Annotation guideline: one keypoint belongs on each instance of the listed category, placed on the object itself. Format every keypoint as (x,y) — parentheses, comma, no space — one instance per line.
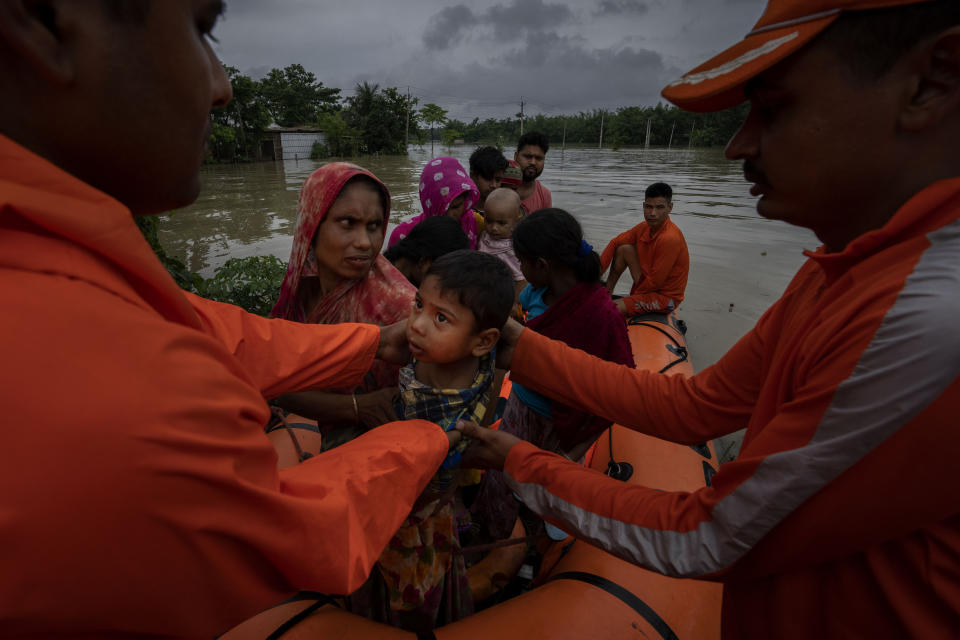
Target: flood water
(739,262)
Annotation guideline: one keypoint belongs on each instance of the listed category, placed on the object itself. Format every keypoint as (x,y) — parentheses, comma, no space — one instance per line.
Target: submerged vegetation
(252,283)
(377,120)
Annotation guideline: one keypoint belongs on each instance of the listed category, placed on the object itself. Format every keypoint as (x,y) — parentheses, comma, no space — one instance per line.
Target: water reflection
(737,258)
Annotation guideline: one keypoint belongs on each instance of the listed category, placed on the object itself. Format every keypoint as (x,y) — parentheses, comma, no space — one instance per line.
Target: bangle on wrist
(356,407)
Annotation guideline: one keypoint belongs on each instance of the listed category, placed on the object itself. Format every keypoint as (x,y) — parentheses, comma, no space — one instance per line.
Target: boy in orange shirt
(656,254)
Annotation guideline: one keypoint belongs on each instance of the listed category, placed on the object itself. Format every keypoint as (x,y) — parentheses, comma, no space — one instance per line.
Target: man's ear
(670,207)
(935,88)
(485,341)
(36,31)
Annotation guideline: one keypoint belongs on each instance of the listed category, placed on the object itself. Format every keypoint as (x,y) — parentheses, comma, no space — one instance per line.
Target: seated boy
(502,215)
(656,254)
(463,301)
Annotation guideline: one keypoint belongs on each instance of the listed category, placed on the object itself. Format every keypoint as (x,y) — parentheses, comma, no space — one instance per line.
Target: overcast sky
(477,59)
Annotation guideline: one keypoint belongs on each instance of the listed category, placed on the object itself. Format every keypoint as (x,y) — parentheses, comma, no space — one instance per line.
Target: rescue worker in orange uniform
(840,518)
(140,494)
(655,252)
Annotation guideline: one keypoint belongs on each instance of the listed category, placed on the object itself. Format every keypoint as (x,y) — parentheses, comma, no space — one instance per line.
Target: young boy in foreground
(419,581)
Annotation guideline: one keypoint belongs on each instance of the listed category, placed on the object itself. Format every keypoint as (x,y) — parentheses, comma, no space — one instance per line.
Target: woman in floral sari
(336,274)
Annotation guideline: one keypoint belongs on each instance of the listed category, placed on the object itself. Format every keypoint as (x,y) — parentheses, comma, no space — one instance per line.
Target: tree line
(378,120)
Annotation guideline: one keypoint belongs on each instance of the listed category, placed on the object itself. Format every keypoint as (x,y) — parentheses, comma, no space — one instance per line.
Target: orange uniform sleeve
(857,428)
(144,496)
(281,356)
(716,402)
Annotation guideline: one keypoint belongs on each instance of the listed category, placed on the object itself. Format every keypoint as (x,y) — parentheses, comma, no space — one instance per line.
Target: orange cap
(784,27)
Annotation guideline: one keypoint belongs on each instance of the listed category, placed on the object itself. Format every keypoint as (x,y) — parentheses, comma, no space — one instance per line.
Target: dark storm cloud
(447,26)
(554,74)
(621,7)
(477,57)
(504,22)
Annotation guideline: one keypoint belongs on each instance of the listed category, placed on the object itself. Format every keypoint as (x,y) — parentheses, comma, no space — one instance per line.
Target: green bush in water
(319,151)
(186,279)
(252,283)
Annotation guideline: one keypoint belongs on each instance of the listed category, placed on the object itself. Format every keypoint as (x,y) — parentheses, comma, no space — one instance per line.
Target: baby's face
(439,328)
(500,219)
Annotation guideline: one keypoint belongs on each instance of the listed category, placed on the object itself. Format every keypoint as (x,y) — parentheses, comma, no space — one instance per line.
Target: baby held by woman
(501,215)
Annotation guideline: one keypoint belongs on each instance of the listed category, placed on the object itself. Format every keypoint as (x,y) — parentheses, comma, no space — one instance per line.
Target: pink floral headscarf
(443,180)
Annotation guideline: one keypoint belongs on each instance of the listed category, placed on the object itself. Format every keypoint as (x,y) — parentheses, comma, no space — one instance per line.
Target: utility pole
(690,141)
(521,115)
(563,145)
(602,113)
(669,144)
(646,144)
(407,136)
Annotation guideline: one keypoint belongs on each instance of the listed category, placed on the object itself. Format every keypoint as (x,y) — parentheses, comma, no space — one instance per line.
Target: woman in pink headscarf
(445,189)
(336,274)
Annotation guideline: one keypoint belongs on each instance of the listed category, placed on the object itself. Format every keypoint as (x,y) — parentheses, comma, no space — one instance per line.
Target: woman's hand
(508,342)
(489,448)
(377,408)
(393,346)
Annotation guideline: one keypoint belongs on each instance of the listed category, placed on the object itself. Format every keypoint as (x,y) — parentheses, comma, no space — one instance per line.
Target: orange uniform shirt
(140,495)
(663,258)
(840,518)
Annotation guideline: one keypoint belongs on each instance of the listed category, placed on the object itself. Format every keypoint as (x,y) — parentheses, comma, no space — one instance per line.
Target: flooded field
(740,262)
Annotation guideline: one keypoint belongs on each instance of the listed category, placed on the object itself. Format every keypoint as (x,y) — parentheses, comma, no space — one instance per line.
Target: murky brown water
(740,262)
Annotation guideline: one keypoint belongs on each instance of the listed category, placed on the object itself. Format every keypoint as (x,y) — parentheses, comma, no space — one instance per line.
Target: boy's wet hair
(432,238)
(556,236)
(486,161)
(533,138)
(659,190)
(482,282)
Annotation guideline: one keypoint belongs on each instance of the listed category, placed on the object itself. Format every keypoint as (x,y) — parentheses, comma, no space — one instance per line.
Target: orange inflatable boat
(582,591)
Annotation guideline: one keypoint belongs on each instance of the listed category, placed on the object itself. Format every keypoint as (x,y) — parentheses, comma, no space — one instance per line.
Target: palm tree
(433,115)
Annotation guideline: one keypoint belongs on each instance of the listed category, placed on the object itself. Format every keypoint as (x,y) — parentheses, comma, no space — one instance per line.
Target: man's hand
(508,342)
(621,306)
(393,346)
(376,408)
(489,448)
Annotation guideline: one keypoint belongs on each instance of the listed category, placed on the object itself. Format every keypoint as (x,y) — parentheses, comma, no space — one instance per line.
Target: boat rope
(278,414)
(678,349)
(630,599)
(322,599)
(617,470)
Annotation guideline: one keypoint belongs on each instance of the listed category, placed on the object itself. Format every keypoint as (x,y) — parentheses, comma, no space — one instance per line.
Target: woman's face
(350,236)
(455,210)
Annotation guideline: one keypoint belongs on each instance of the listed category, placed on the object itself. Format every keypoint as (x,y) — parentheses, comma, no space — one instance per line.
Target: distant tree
(451,135)
(238,126)
(341,137)
(294,97)
(433,115)
(627,126)
(381,117)
(453,130)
